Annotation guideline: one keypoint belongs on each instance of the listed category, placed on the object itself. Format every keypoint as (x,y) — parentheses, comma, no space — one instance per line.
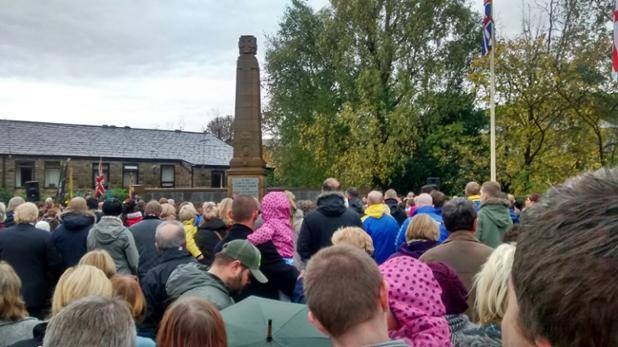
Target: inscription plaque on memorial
(246,186)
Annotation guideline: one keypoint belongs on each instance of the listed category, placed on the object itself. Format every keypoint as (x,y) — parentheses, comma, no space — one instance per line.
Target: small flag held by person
(488,28)
(99,189)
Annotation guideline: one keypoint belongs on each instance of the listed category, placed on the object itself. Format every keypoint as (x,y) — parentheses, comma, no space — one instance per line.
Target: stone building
(36,151)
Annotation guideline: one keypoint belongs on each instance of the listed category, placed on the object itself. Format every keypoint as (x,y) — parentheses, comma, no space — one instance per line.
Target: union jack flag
(488,28)
(99,189)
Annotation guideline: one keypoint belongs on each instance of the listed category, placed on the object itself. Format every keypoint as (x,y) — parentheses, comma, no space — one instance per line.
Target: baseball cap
(248,255)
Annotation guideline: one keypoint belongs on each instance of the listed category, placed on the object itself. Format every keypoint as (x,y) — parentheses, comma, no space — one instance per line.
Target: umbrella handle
(269,337)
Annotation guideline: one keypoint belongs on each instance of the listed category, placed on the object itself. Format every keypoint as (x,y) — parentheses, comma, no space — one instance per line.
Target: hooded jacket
(383,230)
(493,221)
(277,226)
(111,235)
(71,236)
(319,225)
(195,280)
(414,299)
(397,213)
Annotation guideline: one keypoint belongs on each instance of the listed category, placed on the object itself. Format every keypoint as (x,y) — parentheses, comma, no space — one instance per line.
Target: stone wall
(149,173)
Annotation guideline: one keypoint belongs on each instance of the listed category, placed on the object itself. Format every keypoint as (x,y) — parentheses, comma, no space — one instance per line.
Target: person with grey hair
(10,210)
(170,242)
(423,204)
(92,321)
(31,253)
(144,235)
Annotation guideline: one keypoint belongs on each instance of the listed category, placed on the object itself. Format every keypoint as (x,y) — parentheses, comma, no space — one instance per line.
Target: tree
(221,128)
(350,84)
(553,96)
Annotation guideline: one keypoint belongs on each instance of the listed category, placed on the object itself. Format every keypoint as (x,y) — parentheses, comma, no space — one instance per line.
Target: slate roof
(74,140)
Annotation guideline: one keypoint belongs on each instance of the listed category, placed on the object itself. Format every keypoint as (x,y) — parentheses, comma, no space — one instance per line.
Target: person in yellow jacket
(187,218)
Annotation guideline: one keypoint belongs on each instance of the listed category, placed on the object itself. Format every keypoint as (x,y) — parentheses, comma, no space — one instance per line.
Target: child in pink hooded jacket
(277,226)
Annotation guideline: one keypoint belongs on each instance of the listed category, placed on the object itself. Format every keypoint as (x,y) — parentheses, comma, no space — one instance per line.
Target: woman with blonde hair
(168,212)
(225,211)
(353,236)
(491,285)
(75,283)
(100,259)
(14,202)
(15,325)
(192,322)
(186,216)
(422,234)
(79,282)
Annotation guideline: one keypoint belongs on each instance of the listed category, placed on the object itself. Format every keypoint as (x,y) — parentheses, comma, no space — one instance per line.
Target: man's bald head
(423,200)
(472,188)
(374,198)
(331,185)
(170,235)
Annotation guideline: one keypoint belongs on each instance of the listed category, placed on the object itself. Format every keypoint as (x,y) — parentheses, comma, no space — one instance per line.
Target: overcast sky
(142,63)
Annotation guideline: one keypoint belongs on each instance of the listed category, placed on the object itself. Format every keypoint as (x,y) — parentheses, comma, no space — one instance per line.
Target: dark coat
(153,285)
(281,276)
(9,221)
(464,253)
(31,253)
(397,213)
(319,225)
(208,235)
(71,235)
(144,236)
(236,232)
(357,206)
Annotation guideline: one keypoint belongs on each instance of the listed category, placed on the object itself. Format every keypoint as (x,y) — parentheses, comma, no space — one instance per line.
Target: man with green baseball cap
(230,272)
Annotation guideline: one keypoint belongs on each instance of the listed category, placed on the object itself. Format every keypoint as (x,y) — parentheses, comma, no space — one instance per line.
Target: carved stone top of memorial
(247,140)
(247,44)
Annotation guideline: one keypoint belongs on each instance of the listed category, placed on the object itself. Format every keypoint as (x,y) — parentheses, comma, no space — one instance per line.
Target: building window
(95,173)
(217,179)
(52,174)
(24,172)
(167,176)
(130,174)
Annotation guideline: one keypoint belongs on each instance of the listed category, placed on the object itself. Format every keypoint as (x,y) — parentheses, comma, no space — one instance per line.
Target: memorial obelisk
(247,167)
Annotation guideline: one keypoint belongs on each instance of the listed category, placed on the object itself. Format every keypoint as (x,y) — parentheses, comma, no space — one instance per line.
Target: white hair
(423,200)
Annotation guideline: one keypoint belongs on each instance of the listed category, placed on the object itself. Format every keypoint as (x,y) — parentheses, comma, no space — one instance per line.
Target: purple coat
(416,248)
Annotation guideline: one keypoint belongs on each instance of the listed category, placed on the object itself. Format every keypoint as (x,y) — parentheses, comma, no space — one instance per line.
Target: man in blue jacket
(424,205)
(381,226)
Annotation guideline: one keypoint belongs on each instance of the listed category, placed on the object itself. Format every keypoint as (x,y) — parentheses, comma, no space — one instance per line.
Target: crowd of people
(373,269)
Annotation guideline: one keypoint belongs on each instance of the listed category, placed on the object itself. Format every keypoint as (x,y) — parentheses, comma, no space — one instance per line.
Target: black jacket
(153,286)
(208,236)
(396,211)
(31,253)
(357,206)
(319,225)
(281,276)
(144,236)
(70,237)
(236,232)
(9,221)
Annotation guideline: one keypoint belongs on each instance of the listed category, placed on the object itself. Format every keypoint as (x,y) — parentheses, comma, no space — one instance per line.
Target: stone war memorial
(247,168)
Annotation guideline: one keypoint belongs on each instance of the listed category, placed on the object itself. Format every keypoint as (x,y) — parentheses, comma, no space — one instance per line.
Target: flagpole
(492,106)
